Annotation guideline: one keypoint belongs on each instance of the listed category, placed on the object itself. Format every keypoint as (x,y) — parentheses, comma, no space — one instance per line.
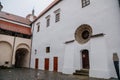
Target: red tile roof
(47,9)
(14,18)
(15,28)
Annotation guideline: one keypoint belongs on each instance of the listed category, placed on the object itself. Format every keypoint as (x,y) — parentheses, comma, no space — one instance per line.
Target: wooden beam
(97,35)
(69,41)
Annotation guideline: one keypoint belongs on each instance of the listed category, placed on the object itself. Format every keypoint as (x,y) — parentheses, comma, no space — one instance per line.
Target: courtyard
(32,74)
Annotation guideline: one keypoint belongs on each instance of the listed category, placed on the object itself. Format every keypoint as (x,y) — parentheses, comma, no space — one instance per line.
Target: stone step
(84,72)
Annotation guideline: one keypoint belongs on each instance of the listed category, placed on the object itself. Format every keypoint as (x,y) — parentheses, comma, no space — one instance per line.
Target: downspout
(13,50)
(32,25)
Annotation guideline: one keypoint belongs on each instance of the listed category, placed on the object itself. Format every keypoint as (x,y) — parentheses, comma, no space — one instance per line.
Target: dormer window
(48,21)
(85,3)
(57,15)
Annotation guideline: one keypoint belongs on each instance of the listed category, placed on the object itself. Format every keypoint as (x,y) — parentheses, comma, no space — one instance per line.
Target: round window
(83,34)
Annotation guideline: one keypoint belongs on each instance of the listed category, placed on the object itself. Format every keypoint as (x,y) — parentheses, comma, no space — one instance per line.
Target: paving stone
(32,74)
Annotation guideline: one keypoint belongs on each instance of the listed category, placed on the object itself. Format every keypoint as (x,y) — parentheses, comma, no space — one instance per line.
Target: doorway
(36,63)
(46,65)
(55,67)
(20,58)
(85,59)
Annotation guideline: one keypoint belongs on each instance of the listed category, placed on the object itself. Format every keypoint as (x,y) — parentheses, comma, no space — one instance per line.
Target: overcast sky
(24,7)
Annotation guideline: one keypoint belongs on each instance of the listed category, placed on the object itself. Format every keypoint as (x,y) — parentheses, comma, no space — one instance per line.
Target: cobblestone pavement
(31,74)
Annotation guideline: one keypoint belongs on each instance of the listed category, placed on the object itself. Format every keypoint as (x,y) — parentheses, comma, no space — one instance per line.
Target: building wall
(8,49)
(103,17)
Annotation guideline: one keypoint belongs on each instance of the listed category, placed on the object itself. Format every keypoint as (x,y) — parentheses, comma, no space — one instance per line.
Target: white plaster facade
(102,15)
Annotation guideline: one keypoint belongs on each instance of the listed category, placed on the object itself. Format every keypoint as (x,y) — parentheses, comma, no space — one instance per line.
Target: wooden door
(55,67)
(46,65)
(36,63)
(85,59)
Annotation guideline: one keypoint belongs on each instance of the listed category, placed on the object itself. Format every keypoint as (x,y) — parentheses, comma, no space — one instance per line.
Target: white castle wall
(103,16)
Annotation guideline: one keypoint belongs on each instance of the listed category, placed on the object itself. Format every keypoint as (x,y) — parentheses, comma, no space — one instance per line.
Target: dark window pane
(85,3)
(47,49)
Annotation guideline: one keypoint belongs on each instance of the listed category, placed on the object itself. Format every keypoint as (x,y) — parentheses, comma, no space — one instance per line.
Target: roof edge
(16,21)
(47,9)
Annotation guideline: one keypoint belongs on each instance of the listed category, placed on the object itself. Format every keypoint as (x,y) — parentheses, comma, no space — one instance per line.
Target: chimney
(1,6)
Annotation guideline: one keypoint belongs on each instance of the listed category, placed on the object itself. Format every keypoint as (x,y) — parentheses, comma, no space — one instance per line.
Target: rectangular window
(47,49)
(57,15)
(85,3)
(48,21)
(38,26)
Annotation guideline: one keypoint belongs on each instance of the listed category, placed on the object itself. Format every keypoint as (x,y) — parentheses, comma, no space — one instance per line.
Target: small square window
(85,3)
(47,49)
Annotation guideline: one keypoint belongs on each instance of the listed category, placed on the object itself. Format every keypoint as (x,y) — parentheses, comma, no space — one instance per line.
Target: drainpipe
(13,50)
(31,44)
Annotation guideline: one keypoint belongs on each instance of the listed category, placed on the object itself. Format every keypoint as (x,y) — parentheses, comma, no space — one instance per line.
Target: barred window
(57,15)
(85,3)
(48,21)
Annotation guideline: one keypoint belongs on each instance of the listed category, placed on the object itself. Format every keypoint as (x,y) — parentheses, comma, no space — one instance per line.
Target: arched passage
(21,57)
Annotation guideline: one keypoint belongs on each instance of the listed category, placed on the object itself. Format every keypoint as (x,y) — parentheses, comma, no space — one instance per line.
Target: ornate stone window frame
(79,36)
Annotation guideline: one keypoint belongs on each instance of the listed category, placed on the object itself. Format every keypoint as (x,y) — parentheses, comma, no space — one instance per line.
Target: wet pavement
(31,74)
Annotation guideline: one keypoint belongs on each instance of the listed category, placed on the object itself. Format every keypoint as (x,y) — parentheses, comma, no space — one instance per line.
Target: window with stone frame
(48,49)
(48,21)
(57,15)
(85,3)
(38,26)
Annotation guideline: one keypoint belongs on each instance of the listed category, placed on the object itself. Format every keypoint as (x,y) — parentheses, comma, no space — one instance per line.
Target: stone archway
(21,58)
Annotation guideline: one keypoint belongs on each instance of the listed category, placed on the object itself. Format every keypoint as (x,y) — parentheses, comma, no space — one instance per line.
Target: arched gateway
(21,58)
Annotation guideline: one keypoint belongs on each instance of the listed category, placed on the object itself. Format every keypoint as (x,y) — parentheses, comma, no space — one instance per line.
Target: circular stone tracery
(83,33)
